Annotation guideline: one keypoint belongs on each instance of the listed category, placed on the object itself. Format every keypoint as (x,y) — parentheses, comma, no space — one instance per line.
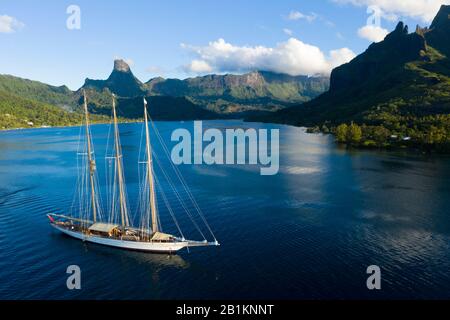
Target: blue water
(308,232)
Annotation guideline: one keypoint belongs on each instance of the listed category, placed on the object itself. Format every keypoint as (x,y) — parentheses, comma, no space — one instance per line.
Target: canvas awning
(103,227)
(159,236)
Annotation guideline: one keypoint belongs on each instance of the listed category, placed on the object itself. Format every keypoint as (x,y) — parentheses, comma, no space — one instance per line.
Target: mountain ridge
(203,97)
(398,87)
(121,81)
(219,93)
(36,90)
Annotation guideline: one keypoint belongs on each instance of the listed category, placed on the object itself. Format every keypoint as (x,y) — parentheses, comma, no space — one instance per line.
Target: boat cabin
(104,229)
(162,237)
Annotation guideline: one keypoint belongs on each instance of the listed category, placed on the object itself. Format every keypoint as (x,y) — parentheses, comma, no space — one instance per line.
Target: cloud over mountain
(372,33)
(292,57)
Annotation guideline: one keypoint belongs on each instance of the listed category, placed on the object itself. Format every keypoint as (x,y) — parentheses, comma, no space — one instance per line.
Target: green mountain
(223,94)
(229,93)
(34,90)
(213,96)
(160,107)
(164,108)
(19,112)
(122,82)
(399,87)
(27,103)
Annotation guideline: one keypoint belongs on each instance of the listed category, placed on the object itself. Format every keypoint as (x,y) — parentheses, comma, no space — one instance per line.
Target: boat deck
(128,234)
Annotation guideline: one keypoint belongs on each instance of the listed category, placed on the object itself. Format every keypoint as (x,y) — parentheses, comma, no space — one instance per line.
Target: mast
(123,207)
(151,183)
(91,161)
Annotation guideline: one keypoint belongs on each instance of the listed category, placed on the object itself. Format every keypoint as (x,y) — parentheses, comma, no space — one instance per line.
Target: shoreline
(347,146)
(60,127)
(120,122)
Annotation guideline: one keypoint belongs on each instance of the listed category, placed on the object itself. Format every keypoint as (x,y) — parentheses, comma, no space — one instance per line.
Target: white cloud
(289,32)
(297,15)
(198,66)
(424,10)
(128,61)
(292,57)
(328,23)
(9,24)
(372,33)
(340,56)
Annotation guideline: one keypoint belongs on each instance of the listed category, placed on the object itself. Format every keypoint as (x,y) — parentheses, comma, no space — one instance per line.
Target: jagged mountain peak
(252,88)
(121,81)
(401,28)
(398,48)
(442,18)
(438,35)
(405,75)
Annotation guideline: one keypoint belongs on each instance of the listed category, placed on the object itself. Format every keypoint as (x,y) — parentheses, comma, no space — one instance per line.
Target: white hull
(157,247)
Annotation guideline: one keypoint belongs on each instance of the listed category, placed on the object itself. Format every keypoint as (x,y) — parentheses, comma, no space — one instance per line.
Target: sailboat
(116,229)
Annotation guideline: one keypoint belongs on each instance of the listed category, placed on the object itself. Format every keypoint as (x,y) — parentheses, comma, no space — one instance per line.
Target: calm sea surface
(309,232)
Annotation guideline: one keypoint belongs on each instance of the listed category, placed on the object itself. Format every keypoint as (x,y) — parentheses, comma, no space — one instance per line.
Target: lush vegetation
(419,115)
(35,90)
(226,94)
(428,133)
(27,103)
(395,94)
(18,112)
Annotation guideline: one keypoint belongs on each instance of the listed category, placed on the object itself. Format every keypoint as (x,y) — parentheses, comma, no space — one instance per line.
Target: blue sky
(181,38)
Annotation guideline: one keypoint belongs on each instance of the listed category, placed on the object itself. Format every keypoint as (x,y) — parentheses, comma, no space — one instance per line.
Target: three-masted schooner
(116,230)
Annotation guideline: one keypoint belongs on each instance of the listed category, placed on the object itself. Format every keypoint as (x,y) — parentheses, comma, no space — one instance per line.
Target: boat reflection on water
(154,260)
(159,260)
(149,267)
